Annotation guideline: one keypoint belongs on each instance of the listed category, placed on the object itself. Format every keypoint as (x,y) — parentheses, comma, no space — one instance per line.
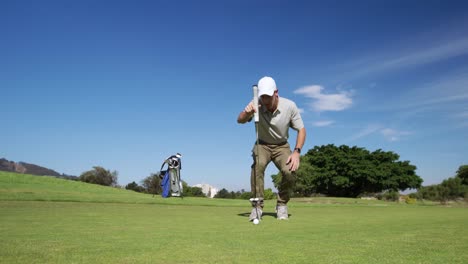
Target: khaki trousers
(279,155)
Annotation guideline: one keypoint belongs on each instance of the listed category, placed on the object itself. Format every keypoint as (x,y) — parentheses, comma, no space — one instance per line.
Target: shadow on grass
(263,214)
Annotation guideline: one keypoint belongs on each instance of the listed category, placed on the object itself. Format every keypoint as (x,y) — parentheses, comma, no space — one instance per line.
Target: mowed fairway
(198,230)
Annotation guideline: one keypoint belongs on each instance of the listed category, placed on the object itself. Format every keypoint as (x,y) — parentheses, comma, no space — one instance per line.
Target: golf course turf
(49,220)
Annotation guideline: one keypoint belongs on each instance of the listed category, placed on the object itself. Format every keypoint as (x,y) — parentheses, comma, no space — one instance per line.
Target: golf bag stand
(170,179)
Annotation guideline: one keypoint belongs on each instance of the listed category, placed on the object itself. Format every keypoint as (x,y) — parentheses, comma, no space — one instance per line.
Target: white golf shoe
(282,212)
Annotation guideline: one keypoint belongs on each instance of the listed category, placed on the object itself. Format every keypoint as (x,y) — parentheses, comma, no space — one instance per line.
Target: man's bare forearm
(244,117)
(301,136)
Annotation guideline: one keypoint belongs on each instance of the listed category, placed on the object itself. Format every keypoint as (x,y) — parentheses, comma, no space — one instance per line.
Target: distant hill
(23,167)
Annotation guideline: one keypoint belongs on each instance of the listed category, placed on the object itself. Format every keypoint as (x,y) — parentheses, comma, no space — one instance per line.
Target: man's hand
(250,108)
(247,114)
(293,161)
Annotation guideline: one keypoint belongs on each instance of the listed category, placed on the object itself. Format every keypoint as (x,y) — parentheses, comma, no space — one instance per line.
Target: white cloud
(446,94)
(447,50)
(326,102)
(393,135)
(405,58)
(323,123)
(388,133)
(370,129)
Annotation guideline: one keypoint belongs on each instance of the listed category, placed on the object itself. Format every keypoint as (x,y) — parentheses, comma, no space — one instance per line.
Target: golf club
(256,119)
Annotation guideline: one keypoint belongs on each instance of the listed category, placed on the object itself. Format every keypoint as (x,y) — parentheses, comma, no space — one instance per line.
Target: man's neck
(275,105)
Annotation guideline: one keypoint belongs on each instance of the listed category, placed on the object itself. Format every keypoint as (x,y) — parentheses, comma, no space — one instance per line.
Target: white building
(207,189)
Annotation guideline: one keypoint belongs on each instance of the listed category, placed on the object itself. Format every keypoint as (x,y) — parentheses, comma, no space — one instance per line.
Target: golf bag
(170,178)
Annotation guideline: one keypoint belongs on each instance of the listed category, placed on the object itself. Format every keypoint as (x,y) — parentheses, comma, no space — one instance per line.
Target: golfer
(276,116)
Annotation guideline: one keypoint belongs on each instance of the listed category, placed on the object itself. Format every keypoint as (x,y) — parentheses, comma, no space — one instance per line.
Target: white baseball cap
(267,86)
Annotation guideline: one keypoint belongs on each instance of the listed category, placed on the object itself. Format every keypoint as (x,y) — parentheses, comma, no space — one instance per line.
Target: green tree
(152,184)
(186,189)
(237,195)
(134,187)
(430,192)
(246,195)
(192,191)
(462,173)
(269,194)
(223,193)
(307,179)
(451,189)
(350,171)
(197,192)
(99,175)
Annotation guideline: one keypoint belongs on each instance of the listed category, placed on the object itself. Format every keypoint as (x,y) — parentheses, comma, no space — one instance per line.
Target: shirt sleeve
(296,119)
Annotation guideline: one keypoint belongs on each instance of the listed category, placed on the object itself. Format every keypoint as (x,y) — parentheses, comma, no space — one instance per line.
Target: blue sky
(124,84)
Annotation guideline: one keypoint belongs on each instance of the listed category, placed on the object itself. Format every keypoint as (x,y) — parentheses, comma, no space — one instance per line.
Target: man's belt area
(261,142)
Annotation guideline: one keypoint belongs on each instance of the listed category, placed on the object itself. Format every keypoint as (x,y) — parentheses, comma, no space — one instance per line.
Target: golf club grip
(255,101)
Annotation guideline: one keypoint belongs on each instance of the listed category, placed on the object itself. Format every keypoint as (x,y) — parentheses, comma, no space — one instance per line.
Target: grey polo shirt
(273,128)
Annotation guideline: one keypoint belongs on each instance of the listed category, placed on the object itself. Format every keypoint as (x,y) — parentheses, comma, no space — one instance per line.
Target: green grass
(23,187)
(48,220)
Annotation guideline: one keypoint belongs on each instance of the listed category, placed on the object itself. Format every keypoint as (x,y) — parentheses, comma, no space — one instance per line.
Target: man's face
(268,101)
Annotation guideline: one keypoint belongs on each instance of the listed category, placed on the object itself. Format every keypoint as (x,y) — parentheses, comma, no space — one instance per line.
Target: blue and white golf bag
(170,178)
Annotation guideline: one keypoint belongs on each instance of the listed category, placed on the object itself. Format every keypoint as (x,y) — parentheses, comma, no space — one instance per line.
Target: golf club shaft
(256,119)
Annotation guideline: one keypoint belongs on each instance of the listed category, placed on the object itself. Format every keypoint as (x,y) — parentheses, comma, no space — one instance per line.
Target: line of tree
(326,170)
(454,188)
(225,194)
(152,185)
(351,171)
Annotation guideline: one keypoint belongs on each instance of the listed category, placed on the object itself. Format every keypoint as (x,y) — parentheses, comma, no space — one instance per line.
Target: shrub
(450,189)
(99,175)
(134,187)
(410,200)
(269,194)
(152,184)
(391,196)
(246,195)
(194,191)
